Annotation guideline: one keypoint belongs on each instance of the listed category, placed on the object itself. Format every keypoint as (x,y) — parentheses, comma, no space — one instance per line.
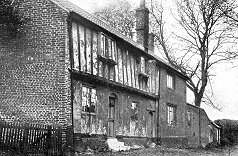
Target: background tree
(11,20)
(203,41)
(120,15)
(200,39)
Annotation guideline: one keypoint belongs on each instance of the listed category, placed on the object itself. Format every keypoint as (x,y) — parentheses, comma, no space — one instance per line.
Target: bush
(229,131)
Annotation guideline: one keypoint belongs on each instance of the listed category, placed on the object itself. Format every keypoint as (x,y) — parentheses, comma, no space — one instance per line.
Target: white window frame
(170,81)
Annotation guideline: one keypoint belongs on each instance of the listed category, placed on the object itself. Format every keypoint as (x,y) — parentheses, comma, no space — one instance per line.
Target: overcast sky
(225,83)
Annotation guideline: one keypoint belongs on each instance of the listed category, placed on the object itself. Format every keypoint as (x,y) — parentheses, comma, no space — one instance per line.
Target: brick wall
(176,97)
(192,130)
(198,136)
(34,81)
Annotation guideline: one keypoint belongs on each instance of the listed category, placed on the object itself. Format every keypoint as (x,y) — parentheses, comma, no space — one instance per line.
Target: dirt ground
(225,151)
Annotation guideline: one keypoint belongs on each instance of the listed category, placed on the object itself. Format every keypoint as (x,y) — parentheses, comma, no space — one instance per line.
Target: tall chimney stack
(151,43)
(142,25)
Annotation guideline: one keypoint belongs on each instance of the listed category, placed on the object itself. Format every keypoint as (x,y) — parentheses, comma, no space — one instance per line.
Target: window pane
(84,98)
(113,51)
(171,115)
(142,65)
(88,116)
(170,81)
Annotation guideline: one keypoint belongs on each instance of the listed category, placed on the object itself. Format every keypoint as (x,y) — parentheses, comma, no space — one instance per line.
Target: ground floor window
(88,115)
(134,118)
(171,115)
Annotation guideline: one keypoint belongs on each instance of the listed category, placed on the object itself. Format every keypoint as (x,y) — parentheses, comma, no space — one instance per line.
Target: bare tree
(204,39)
(11,19)
(119,15)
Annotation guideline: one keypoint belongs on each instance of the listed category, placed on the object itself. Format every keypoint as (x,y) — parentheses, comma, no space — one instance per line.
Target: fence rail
(31,139)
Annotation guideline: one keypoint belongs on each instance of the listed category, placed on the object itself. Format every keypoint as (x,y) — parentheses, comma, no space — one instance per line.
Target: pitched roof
(70,7)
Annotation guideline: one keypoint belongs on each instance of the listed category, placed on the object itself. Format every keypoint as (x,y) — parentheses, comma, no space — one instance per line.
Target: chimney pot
(142,3)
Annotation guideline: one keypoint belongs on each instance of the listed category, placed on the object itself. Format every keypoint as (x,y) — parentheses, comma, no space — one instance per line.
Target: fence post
(60,140)
(25,138)
(48,140)
(1,129)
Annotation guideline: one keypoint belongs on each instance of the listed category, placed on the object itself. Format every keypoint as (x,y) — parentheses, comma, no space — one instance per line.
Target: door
(111,116)
(150,125)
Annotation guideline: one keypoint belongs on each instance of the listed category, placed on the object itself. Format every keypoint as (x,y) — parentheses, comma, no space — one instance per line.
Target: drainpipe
(157,123)
(158,117)
(199,128)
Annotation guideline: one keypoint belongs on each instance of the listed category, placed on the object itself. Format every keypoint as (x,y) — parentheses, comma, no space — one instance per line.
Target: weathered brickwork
(71,69)
(34,82)
(125,124)
(177,98)
(199,133)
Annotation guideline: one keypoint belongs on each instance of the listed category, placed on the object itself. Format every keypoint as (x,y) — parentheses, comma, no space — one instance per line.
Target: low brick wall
(176,142)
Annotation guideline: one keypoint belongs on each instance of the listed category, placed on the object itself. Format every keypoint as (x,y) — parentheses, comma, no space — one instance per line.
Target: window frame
(89,117)
(173,110)
(95,104)
(170,81)
(134,111)
(104,48)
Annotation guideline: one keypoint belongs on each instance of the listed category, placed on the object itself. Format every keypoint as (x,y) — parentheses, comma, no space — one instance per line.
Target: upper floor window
(171,115)
(170,81)
(107,47)
(143,76)
(143,65)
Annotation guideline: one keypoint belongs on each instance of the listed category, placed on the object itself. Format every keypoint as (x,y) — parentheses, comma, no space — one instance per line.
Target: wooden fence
(31,139)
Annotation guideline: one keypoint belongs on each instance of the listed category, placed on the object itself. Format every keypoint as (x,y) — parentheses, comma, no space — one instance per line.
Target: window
(134,118)
(134,111)
(171,114)
(143,77)
(142,65)
(107,47)
(88,116)
(189,116)
(170,81)
(107,57)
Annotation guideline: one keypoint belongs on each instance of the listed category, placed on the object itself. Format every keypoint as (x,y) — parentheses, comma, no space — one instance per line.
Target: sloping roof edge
(213,123)
(70,7)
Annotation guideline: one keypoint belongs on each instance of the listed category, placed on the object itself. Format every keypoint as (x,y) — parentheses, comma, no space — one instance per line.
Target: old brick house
(71,68)
(200,130)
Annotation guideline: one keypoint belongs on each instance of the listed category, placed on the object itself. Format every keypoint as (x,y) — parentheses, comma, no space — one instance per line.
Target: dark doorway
(111,115)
